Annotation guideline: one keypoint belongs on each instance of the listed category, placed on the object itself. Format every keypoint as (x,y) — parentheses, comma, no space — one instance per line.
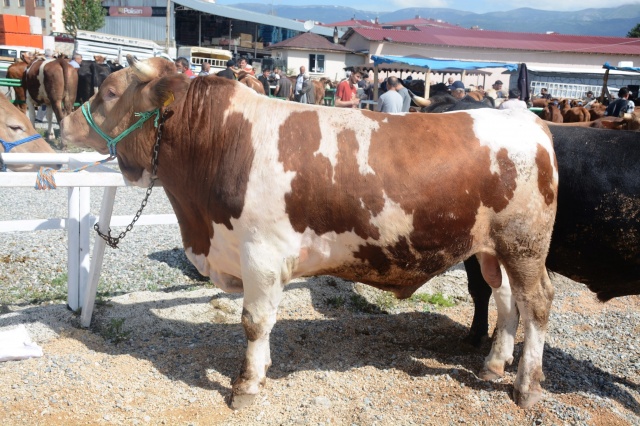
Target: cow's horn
(142,69)
(627,116)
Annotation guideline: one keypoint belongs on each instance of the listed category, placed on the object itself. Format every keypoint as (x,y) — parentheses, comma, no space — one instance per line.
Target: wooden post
(427,84)
(375,83)
(605,88)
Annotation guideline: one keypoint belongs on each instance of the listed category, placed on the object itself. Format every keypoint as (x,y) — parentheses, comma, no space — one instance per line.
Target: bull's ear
(162,92)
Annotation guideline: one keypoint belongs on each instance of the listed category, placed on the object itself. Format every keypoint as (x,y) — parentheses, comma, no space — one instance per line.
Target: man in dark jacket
(264,79)
(228,73)
(621,105)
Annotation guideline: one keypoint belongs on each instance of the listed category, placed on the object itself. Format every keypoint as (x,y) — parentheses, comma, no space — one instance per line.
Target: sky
(477,6)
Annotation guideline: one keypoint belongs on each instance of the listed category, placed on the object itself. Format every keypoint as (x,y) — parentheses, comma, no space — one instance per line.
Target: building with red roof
(546,55)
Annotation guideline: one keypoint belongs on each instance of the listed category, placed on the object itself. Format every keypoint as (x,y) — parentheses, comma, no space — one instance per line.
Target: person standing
(284,88)
(76,61)
(182,66)
(390,101)
(621,105)
(297,92)
(228,72)
(206,68)
(514,101)
(308,91)
(264,79)
(406,98)
(347,91)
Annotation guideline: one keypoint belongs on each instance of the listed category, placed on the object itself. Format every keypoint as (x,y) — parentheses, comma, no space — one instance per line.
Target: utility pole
(168,35)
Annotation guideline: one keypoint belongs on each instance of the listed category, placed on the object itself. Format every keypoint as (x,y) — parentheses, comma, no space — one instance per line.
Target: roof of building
(308,41)
(247,15)
(353,23)
(463,37)
(420,22)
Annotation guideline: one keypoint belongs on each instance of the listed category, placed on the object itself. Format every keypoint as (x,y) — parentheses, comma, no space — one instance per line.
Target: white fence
(83,269)
(567,90)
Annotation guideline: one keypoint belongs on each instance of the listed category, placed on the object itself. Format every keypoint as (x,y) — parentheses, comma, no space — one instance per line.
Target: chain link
(114,241)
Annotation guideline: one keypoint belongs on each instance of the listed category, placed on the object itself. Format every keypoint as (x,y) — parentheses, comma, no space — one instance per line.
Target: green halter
(111,142)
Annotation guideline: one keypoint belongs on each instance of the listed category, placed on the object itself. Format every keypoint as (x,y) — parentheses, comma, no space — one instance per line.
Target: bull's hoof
(526,399)
(490,375)
(476,340)
(238,402)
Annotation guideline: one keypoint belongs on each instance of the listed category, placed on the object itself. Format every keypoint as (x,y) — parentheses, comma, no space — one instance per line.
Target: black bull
(91,74)
(596,236)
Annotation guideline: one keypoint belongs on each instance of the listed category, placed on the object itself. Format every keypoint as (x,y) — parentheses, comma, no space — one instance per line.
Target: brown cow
(18,135)
(551,113)
(319,90)
(577,114)
(258,208)
(250,81)
(52,82)
(596,110)
(16,70)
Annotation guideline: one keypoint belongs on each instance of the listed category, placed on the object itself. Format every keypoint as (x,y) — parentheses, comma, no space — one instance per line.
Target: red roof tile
(463,37)
(309,41)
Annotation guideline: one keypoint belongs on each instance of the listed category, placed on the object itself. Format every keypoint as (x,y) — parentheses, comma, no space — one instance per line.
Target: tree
(634,32)
(83,15)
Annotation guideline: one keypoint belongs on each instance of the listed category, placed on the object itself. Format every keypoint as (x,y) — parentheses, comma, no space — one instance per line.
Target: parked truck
(113,47)
(197,55)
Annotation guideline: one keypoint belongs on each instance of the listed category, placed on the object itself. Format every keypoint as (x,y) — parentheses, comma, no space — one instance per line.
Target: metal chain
(113,241)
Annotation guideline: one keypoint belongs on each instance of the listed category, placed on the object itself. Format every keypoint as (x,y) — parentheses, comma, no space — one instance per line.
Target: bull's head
(144,86)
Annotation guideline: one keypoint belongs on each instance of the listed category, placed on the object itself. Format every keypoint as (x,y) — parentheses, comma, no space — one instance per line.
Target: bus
(197,55)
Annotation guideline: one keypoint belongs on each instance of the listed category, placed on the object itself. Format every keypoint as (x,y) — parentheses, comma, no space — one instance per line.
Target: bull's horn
(142,69)
(420,101)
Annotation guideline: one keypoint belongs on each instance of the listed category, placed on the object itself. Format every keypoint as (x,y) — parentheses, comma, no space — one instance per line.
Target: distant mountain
(613,21)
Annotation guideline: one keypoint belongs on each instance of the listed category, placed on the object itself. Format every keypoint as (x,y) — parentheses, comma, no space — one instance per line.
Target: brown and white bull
(388,200)
(52,82)
(17,135)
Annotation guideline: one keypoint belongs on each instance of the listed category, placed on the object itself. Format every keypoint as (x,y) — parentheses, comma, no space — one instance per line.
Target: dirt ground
(170,358)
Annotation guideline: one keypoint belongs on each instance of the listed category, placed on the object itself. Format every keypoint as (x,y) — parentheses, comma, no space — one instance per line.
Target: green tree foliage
(83,15)
(634,32)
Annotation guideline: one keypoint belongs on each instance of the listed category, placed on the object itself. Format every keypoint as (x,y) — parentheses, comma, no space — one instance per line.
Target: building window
(39,3)
(21,3)
(44,24)
(316,63)
(7,3)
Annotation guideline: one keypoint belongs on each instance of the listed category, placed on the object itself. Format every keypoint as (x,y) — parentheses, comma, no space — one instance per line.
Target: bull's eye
(16,128)
(111,94)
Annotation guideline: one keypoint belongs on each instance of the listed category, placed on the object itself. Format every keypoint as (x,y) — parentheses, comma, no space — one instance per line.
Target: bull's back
(596,238)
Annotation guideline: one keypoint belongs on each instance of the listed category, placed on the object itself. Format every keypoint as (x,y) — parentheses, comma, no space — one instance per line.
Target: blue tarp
(611,67)
(440,64)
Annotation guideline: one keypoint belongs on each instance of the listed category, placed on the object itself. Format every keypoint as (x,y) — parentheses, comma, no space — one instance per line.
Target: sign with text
(130,11)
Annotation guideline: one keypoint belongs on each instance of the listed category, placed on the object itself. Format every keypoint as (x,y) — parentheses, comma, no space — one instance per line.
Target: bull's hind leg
(504,334)
(533,293)
(263,288)
(534,305)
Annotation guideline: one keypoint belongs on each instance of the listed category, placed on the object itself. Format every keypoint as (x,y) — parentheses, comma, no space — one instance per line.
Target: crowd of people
(356,90)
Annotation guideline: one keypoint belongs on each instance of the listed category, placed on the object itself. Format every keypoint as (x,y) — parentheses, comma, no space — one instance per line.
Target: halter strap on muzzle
(111,142)
(8,146)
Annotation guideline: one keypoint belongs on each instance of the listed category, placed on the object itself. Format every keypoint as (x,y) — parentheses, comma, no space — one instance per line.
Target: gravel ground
(165,345)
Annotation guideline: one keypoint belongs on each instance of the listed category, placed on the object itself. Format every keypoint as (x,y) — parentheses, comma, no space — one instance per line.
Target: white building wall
(334,63)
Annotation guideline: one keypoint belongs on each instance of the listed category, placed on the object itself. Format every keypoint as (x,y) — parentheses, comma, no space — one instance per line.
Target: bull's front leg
(263,290)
